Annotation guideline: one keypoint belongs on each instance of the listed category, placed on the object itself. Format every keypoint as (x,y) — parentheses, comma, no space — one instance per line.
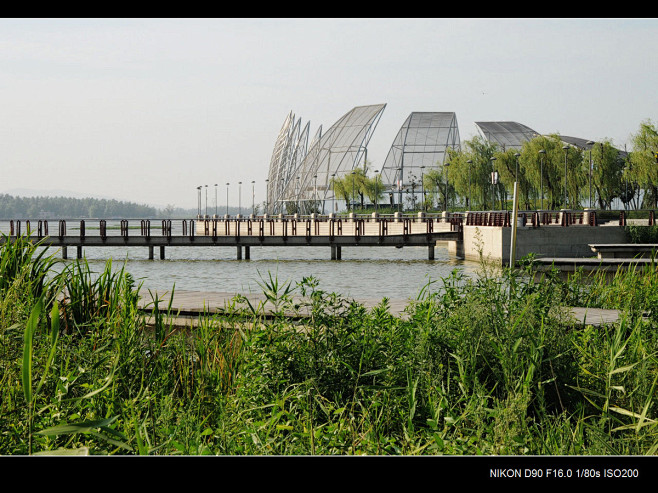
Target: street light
(267,195)
(240,198)
(470,162)
(353,178)
(333,195)
(422,185)
(541,176)
(399,188)
(590,144)
(215,199)
(315,193)
(253,197)
(445,165)
(299,191)
(566,154)
(376,190)
(199,200)
(227,184)
(493,185)
(206,200)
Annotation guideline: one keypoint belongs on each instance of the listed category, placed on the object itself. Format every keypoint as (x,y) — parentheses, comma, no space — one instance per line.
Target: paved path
(189,304)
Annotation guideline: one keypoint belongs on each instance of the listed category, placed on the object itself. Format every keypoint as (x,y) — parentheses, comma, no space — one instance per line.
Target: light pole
(493,185)
(199,200)
(227,184)
(445,165)
(399,188)
(566,154)
(422,185)
(541,176)
(470,163)
(376,190)
(267,195)
(333,195)
(299,191)
(590,144)
(253,197)
(240,198)
(206,200)
(215,199)
(315,193)
(353,178)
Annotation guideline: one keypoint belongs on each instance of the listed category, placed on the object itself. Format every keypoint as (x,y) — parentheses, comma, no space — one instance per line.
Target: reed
(484,365)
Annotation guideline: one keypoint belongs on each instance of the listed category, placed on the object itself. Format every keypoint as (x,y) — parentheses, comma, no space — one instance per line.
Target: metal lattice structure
(506,134)
(289,151)
(421,144)
(301,180)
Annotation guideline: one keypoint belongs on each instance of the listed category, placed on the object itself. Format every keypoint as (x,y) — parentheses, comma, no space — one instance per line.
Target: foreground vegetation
(474,366)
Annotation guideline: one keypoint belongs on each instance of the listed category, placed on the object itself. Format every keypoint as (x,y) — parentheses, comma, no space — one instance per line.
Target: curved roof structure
(289,151)
(422,141)
(334,153)
(506,134)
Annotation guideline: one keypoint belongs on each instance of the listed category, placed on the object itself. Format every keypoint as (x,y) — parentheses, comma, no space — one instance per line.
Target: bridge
(243,233)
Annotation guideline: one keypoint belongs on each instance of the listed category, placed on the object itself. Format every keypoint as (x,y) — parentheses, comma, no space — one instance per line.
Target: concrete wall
(546,241)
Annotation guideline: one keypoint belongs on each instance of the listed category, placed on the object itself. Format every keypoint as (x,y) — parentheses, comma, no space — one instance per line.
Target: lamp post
(493,185)
(253,197)
(227,184)
(353,178)
(315,192)
(422,185)
(541,176)
(376,190)
(470,163)
(399,188)
(267,195)
(215,199)
(590,143)
(566,154)
(445,165)
(206,200)
(240,197)
(199,201)
(299,190)
(333,195)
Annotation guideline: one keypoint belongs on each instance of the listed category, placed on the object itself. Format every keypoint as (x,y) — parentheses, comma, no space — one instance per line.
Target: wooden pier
(244,233)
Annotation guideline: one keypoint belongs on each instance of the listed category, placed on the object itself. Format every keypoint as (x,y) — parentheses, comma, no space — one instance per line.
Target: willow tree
(542,160)
(607,173)
(510,170)
(469,172)
(644,162)
(435,184)
(350,185)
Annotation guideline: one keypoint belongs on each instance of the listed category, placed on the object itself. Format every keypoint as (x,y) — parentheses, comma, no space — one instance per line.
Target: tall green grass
(485,365)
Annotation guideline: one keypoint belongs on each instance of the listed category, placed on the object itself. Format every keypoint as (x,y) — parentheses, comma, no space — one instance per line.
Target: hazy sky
(146,110)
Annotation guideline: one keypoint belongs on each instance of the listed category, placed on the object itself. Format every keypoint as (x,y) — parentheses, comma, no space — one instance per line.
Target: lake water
(363,272)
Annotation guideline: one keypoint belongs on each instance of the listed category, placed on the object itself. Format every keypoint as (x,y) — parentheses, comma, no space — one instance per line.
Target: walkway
(190,304)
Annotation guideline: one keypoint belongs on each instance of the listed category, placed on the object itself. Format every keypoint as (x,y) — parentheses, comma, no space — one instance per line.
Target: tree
(546,171)
(469,173)
(643,166)
(607,173)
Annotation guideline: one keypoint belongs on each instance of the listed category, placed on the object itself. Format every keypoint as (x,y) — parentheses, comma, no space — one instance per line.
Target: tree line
(12,207)
(481,176)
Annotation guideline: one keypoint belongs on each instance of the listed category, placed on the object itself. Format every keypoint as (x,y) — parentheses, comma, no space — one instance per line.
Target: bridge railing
(261,226)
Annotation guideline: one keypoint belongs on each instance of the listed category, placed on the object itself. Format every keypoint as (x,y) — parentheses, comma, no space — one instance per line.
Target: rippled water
(363,272)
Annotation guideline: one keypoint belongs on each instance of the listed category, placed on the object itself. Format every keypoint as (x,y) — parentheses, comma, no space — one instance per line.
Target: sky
(148,109)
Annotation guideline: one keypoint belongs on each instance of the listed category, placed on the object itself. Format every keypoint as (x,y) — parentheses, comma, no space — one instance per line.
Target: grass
(475,366)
